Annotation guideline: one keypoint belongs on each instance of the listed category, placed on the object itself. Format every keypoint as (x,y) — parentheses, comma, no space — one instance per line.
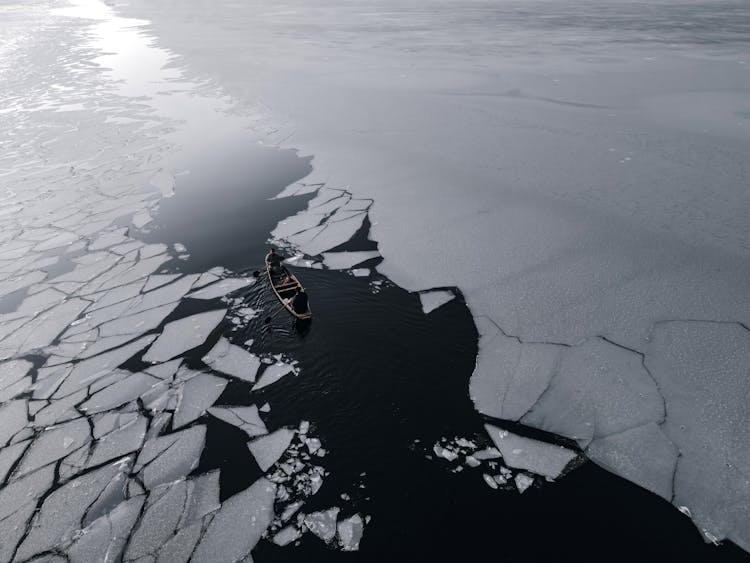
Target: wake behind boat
(287,287)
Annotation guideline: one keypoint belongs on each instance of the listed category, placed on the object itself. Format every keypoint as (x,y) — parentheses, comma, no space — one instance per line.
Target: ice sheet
(350,532)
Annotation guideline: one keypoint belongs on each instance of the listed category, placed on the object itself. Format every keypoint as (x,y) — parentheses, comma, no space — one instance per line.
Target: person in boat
(299,303)
(274,260)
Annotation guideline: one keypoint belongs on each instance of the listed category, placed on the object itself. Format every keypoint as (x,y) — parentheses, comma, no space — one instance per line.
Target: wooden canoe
(285,291)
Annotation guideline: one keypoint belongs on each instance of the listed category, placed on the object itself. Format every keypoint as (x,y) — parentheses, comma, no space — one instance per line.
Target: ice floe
(238,525)
(431,300)
(346,260)
(196,395)
(244,418)
(170,457)
(268,449)
(273,373)
(323,523)
(232,360)
(183,335)
(350,532)
(544,459)
(222,288)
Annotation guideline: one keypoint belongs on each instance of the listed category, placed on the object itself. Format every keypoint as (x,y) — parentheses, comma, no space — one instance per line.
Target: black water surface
(222,211)
(381,382)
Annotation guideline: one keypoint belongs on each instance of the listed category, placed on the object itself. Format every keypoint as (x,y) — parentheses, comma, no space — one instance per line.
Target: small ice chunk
(523,482)
(445,453)
(487,453)
(238,525)
(221,288)
(245,418)
(265,408)
(183,335)
(346,260)
(537,457)
(287,535)
(196,396)
(272,374)
(350,532)
(431,300)
(471,461)
(232,360)
(361,272)
(489,480)
(268,449)
(323,523)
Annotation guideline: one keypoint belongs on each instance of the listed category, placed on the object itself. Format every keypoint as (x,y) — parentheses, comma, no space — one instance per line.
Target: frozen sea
(525,230)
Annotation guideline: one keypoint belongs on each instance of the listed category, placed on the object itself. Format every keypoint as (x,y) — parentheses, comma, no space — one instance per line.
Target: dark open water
(381,382)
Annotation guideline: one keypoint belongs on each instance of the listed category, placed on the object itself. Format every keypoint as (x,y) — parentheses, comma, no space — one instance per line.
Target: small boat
(286,285)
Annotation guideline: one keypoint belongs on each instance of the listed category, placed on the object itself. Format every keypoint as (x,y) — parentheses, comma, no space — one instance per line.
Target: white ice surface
(538,457)
(323,523)
(239,524)
(350,532)
(245,418)
(272,374)
(268,449)
(232,360)
(222,288)
(346,260)
(431,300)
(196,395)
(182,335)
(172,456)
